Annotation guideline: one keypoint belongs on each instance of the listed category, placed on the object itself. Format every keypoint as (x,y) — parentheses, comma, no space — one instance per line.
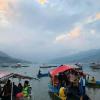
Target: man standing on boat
(82,84)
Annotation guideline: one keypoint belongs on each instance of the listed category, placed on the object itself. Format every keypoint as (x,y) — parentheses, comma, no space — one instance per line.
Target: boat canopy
(60,69)
(6,75)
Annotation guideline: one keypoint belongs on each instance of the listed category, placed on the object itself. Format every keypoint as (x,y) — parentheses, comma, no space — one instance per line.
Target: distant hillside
(5,58)
(87,56)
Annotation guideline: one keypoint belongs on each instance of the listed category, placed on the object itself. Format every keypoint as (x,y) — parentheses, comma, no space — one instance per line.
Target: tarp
(6,75)
(60,69)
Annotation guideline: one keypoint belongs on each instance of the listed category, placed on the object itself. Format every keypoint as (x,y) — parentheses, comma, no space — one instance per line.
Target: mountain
(86,56)
(5,58)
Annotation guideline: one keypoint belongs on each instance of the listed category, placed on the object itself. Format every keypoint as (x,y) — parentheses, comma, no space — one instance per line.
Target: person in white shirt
(82,84)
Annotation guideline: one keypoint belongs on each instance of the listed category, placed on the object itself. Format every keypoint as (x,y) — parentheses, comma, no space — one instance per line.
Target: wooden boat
(79,66)
(70,96)
(42,75)
(4,76)
(93,85)
(18,65)
(95,65)
(72,92)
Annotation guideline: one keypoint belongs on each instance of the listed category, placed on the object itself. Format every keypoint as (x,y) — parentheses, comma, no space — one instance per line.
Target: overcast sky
(45,29)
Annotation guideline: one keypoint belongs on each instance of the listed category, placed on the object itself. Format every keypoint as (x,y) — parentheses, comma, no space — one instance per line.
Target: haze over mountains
(86,56)
(5,58)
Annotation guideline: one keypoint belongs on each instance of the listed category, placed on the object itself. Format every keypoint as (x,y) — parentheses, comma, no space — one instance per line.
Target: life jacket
(26,91)
(62,94)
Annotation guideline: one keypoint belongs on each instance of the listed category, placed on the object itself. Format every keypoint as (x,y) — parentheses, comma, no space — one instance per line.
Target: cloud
(43,21)
(7,12)
(4,5)
(98,16)
(42,2)
(93,32)
(92,18)
(77,30)
(61,37)
(73,34)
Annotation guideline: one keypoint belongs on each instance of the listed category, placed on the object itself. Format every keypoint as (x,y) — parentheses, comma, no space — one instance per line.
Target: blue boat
(42,75)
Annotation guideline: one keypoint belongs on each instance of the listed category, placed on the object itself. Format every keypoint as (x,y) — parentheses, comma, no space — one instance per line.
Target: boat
(55,96)
(93,85)
(4,65)
(4,76)
(18,65)
(54,88)
(79,65)
(25,66)
(42,75)
(48,66)
(55,72)
(95,65)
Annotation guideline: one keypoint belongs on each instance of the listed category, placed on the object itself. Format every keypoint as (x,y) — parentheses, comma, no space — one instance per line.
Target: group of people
(10,90)
(68,82)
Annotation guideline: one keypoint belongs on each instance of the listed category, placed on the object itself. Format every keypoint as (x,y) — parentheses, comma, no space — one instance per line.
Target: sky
(39,30)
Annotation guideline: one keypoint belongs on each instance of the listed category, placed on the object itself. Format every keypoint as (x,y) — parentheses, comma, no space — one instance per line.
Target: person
(81,88)
(15,90)
(25,94)
(25,90)
(60,78)
(39,72)
(84,85)
(88,78)
(62,93)
(6,92)
(20,87)
(0,90)
(55,81)
(93,80)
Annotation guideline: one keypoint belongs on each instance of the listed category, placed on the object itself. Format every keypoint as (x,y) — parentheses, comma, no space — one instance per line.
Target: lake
(40,87)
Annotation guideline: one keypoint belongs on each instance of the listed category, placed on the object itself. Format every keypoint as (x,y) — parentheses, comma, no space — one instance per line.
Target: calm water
(40,87)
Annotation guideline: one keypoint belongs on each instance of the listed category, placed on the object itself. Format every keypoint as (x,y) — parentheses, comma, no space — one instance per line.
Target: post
(12,90)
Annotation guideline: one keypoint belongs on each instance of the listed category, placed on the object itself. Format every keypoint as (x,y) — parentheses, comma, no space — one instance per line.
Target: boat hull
(42,75)
(95,67)
(93,85)
(47,66)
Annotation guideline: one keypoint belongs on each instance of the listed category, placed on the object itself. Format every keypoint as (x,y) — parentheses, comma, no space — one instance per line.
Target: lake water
(40,87)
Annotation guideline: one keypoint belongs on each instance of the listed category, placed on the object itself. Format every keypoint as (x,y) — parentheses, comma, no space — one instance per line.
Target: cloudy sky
(45,29)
